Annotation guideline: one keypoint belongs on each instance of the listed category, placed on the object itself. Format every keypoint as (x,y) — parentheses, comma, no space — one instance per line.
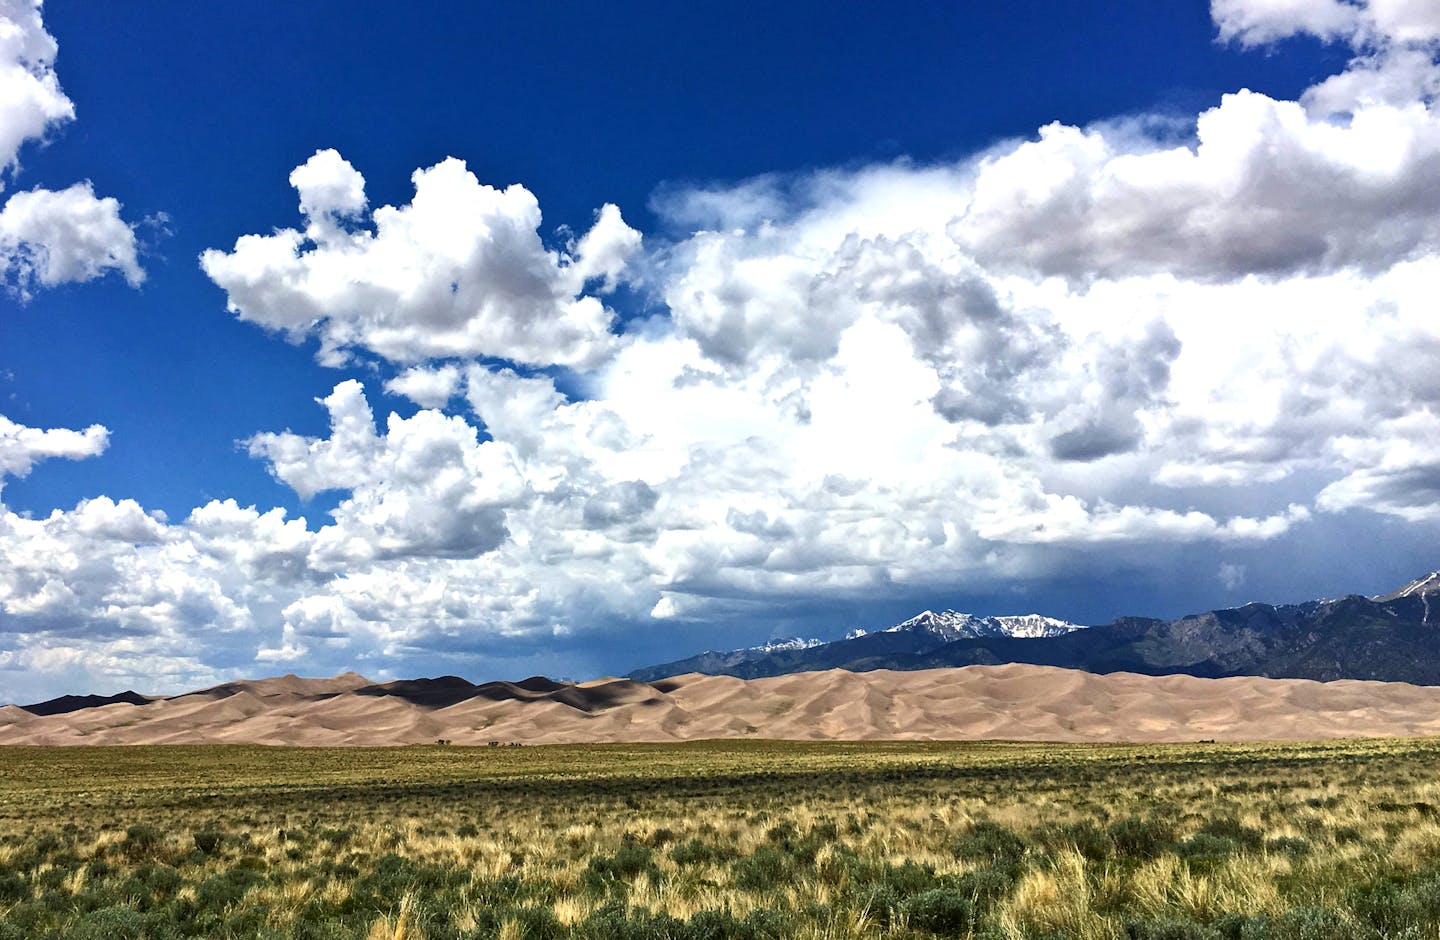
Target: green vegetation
(718,840)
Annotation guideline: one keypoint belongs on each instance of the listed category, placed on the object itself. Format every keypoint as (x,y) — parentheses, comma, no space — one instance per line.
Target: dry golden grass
(756,841)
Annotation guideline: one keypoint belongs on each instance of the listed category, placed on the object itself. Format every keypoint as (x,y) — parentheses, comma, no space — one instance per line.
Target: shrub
(612,922)
(992,843)
(336,836)
(700,852)
(909,878)
(142,840)
(1228,827)
(151,883)
(1347,834)
(1316,923)
(27,919)
(391,877)
(208,840)
(661,836)
(12,887)
(722,925)
(941,910)
(626,864)
(804,847)
(1395,906)
(218,892)
(534,923)
(110,923)
(986,886)
(1134,837)
(1167,929)
(319,930)
(1204,849)
(1240,927)
(47,844)
(765,870)
(1085,837)
(1288,845)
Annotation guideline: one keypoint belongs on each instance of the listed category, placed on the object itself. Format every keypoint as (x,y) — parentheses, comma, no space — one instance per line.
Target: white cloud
(110,573)
(1267,189)
(104,519)
(425,386)
(1359,23)
(1257,22)
(1345,177)
(1405,20)
(21,447)
(427,487)
(31,102)
(268,550)
(49,238)
(1401,479)
(461,271)
(604,252)
(329,187)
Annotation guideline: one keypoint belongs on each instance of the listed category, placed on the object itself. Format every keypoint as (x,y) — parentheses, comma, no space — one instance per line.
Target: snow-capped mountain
(1423,589)
(788,643)
(1391,637)
(922,633)
(730,662)
(950,625)
(1420,587)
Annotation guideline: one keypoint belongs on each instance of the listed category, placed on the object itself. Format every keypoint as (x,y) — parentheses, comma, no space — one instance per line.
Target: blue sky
(1002,307)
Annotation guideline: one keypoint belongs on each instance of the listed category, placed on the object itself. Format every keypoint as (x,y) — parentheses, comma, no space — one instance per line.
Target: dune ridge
(1009,702)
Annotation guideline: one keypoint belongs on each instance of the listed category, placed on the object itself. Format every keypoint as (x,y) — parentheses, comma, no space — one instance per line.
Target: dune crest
(1010,702)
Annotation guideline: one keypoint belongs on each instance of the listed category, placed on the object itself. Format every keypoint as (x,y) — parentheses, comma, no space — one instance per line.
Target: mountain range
(922,633)
(1393,637)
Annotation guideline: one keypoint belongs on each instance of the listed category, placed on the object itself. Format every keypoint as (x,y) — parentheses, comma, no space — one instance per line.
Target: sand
(1011,702)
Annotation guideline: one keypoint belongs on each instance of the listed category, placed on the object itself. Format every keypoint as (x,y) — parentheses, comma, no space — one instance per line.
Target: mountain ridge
(1390,637)
(921,633)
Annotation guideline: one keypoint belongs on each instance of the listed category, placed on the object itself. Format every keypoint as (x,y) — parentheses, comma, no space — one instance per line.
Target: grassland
(724,840)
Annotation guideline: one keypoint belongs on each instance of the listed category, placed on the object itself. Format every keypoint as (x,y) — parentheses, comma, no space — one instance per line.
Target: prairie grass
(751,840)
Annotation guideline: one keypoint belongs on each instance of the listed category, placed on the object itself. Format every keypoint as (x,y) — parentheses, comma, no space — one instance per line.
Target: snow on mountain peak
(787,643)
(951,625)
(1428,584)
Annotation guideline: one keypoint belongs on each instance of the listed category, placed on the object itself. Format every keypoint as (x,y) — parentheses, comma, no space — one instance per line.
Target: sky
(496,340)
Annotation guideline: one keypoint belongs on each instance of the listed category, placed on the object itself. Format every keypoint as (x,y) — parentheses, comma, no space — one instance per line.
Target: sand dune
(1011,702)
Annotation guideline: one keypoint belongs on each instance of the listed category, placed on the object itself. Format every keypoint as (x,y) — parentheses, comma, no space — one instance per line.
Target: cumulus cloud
(461,271)
(21,447)
(426,386)
(108,574)
(1401,480)
(330,188)
(31,102)
(1127,378)
(427,487)
(1266,189)
(48,237)
(1259,22)
(1345,177)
